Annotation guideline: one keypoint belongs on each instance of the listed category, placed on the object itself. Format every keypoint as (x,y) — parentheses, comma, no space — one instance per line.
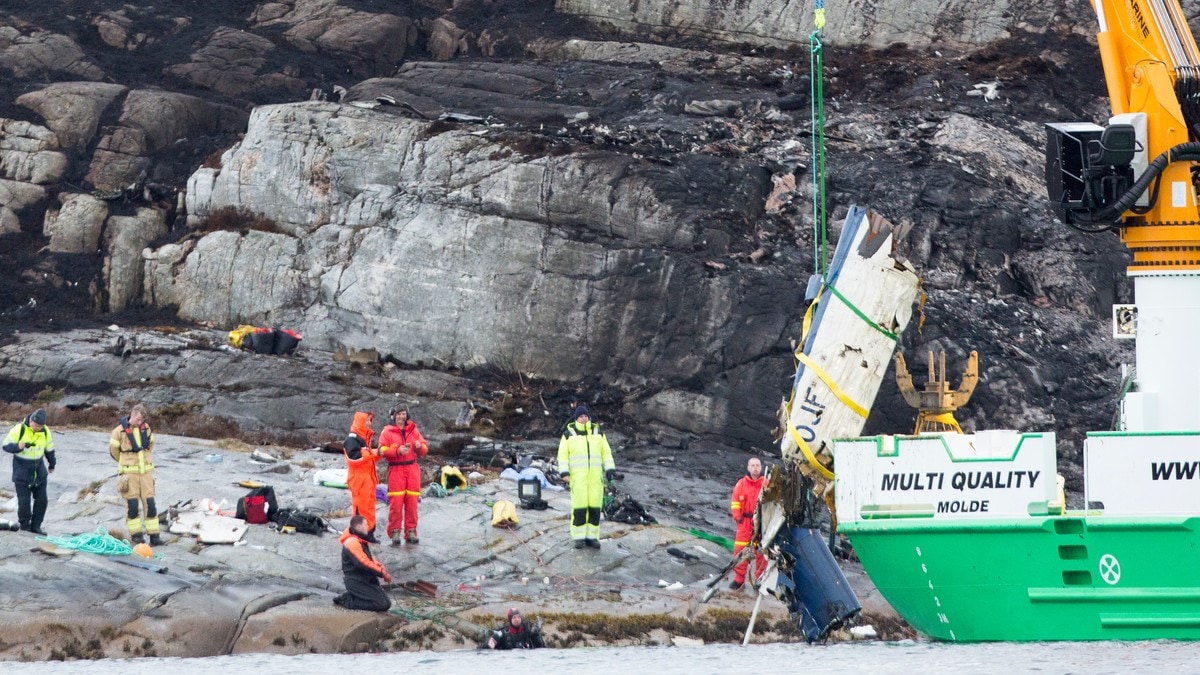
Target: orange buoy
(144,550)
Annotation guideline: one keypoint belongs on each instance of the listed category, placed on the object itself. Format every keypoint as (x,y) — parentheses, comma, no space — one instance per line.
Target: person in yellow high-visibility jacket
(131,444)
(585,460)
(32,447)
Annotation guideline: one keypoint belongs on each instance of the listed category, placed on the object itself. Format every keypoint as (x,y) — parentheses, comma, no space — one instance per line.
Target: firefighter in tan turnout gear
(132,445)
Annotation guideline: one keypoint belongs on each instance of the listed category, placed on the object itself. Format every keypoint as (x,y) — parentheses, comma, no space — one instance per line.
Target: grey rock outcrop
(166,116)
(446,39)
(40,53)
(29,153)
(151,121)
(265,269)
(124,268)
(373,43)
(72,109)
(787,23)
(231,62)
(459,248)
(671,59)
(75,227)
(14,198)
(121,156)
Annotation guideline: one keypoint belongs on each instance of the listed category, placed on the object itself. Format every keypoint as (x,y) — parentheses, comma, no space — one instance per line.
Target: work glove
(610,475)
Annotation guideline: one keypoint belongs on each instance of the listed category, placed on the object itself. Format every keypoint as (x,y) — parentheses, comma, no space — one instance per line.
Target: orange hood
(362,426)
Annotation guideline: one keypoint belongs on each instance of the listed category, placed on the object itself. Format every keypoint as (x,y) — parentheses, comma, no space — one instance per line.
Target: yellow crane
(1138,175)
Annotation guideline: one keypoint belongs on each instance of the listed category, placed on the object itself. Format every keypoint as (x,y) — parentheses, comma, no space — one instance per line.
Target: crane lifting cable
(817,125)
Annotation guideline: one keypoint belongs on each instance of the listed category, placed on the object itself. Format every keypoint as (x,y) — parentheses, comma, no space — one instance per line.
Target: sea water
(848,658)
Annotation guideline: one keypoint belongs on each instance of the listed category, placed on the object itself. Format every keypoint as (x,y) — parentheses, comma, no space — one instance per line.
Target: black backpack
(305,521)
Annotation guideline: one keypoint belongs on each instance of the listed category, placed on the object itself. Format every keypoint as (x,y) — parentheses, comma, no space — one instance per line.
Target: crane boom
(1138,175)
(1152,69)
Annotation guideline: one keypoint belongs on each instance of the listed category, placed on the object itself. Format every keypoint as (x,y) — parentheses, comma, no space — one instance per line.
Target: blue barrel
(814,589)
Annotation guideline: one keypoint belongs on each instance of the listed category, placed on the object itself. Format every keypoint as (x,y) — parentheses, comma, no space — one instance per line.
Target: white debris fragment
(863,632)
(987,90)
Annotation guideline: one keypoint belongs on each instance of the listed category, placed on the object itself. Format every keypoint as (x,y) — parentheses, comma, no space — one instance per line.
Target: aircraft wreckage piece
(801,571)
(859,307)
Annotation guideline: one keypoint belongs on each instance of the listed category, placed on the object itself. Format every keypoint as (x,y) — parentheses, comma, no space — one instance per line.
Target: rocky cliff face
(788,23)
(509,184)
(465,248)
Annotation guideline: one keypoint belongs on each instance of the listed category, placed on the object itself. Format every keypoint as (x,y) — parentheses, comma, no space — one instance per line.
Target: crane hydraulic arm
(1138,172)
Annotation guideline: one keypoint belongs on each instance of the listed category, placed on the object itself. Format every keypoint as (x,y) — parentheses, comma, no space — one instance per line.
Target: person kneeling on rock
(361,571)
(516,635)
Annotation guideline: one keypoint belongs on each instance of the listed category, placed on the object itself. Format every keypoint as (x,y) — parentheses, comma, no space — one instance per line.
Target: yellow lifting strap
(820,372)
(807,451)
(817,370)
(833,387)
(941,418)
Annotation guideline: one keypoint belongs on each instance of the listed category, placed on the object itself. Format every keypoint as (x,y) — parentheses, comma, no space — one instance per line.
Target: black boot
(155,540)
(580,543)
(136,539)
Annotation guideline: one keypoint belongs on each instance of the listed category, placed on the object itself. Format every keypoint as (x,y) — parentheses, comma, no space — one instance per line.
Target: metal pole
(753,617)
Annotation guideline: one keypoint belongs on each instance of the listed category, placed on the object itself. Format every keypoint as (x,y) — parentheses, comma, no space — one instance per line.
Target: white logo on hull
(1110,569)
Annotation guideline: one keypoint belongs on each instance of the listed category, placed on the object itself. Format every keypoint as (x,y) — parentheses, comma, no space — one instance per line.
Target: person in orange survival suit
(401,443)
(745,501)
(361,476)
(361,571)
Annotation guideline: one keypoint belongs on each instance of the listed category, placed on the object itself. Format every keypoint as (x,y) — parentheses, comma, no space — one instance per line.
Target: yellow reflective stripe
(837,391)
(807,451)
(147,468)
(114,443)
(741,543)
(152,525)
(398,492)
(736,505)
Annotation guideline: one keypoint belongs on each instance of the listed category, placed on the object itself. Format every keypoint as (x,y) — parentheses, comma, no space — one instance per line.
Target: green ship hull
(1071,577)
(967,538)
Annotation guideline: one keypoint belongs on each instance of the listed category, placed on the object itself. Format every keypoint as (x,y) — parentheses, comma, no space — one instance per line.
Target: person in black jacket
(28,442)
(361,571)
(515,634)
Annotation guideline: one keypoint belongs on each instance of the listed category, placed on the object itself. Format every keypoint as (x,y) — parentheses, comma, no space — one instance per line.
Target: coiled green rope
(99,542)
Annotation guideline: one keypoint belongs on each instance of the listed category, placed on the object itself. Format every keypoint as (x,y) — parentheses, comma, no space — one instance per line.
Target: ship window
(1077,578)
(1068,526)
(1072,552)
